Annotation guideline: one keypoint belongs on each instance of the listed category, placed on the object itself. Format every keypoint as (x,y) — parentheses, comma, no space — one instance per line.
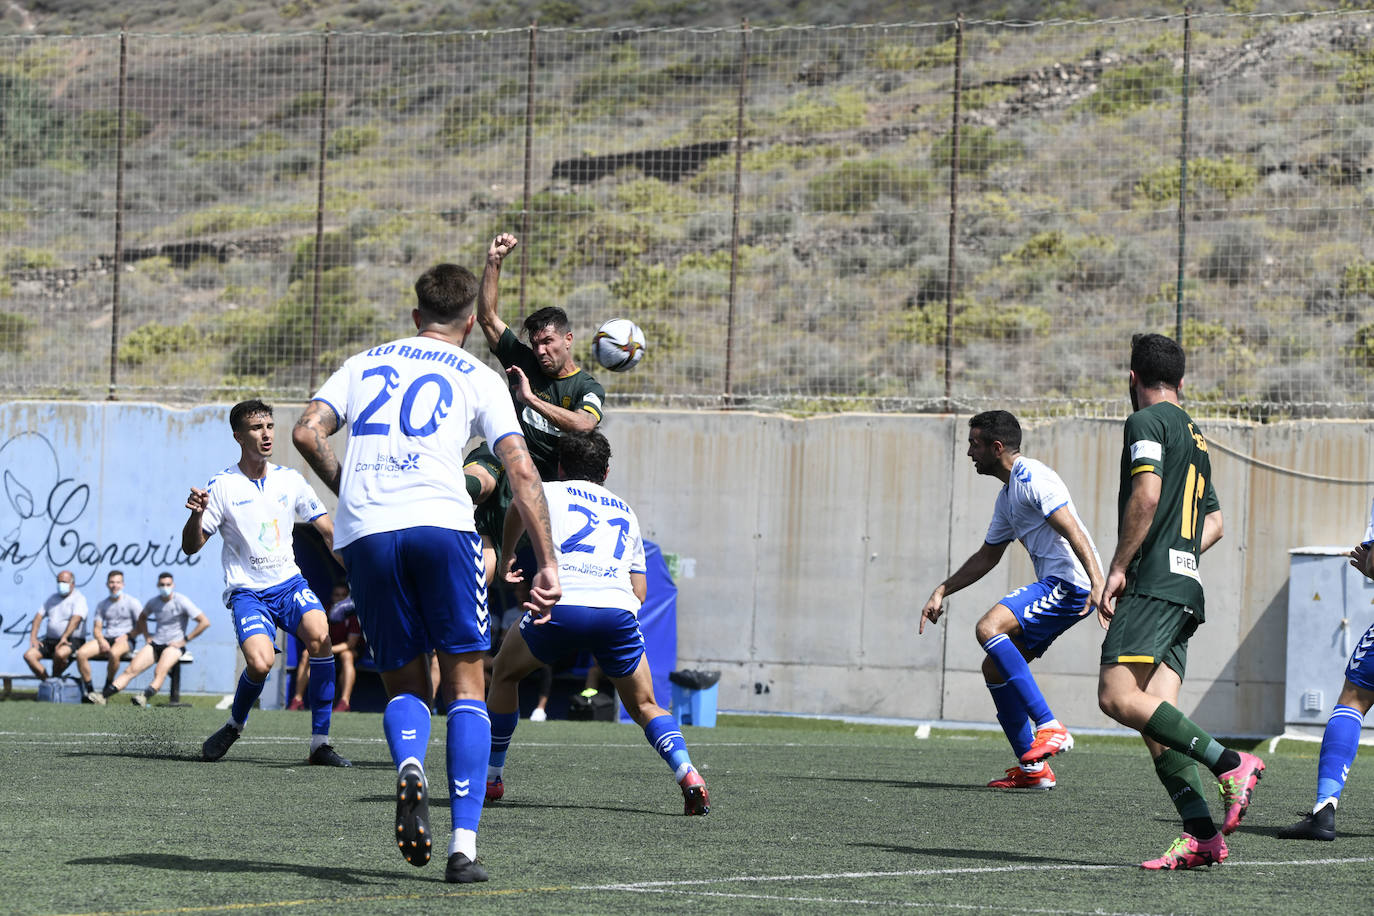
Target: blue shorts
(1360,669)
(1045,609)
(263,611)
(611,634)
(419,590)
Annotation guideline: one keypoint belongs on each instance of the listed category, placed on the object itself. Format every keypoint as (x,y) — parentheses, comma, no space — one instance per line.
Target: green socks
(1171,728)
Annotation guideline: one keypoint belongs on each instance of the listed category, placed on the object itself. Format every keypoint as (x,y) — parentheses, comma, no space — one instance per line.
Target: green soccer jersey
(579,391)
(1162,439)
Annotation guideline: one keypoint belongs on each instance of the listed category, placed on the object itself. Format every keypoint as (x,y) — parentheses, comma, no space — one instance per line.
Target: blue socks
(467,747)
(1008,658)
(1011,713)
(666,737)
(502,729)
(1340,742)
(406,726)
(320,692)
(245,695)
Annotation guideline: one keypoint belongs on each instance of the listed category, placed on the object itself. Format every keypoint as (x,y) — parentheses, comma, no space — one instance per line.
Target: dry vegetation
(1069,187)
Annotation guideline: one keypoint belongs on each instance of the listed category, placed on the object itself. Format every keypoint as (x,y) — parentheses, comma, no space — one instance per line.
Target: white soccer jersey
(1032,494)
(410,407)
(597,539)
(117,616)
(255,518)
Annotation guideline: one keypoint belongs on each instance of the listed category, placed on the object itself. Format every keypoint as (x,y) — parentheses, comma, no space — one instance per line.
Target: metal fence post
(953,210)
(1183,175)
(319,216)
(119,215)
(734,212)
(529,167)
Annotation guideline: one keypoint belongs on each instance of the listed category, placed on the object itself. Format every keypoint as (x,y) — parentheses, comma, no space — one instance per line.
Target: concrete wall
(808,546)
(814,543)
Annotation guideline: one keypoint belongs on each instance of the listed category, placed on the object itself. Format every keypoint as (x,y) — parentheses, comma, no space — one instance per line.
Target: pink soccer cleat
(1237,788)
(1190,852)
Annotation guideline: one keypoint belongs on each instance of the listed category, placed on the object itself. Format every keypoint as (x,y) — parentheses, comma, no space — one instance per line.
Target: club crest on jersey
(269,535)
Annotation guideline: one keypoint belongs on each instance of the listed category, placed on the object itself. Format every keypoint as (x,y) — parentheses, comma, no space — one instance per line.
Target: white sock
(1036,767)
(464,841)
(494,773)
(1052,723)
(1332,801)
(316,741)
(410,760)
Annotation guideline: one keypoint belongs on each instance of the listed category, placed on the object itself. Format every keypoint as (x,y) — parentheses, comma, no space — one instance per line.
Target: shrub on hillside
(855,186)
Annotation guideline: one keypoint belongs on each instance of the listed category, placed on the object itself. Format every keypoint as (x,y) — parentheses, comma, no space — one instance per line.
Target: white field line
(67,738)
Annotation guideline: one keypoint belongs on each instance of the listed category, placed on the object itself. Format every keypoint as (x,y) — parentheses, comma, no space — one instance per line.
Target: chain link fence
(193,217)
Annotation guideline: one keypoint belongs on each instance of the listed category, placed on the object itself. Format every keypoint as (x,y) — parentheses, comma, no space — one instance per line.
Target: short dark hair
(165,575)
(997,426)
(114,572)
(445,292)
(584,456)
(240,412)
(549,316)
(1157,361)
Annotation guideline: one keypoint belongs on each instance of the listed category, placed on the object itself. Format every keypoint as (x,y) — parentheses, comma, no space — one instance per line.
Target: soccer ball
(619,345)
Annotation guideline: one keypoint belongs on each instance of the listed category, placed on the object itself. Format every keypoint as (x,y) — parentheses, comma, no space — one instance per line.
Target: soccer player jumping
(1034,506)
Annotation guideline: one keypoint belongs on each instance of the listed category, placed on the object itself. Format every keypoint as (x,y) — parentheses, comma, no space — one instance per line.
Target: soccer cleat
(462,870)
(296,703)
(342,706)
(412,815)
(695,798)
(217,745)
(1018,778)
(1190,852)
(496,790)
(138,699)
(538,715)
(96,698)
(1048,742)
(326,756)
(1237,788)
(1315,825)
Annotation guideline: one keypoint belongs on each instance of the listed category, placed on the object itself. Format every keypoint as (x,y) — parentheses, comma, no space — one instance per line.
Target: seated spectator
(170,612)
(112,635)
(346,640)
(64,612)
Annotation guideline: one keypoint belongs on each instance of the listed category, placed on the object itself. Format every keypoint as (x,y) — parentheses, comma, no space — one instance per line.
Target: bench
(9,679)
(173,678)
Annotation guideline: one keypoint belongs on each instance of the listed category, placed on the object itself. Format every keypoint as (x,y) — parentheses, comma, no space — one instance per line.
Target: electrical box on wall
(1330,605)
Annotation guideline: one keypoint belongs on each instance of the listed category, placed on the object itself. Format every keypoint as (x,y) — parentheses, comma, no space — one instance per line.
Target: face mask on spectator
(64,588)
(165,591)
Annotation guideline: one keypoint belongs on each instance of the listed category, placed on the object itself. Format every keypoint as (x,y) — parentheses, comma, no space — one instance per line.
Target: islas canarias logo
(269,535)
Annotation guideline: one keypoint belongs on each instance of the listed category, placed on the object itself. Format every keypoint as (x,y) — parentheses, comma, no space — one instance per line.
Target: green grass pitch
(110,811)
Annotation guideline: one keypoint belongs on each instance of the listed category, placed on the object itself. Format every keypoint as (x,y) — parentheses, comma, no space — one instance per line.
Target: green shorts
(1148,631)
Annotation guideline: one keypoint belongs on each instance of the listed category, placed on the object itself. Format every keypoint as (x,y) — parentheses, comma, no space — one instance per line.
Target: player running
(255,505)
(1034,507)
(601,568)
(414,557)
(1168,517)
